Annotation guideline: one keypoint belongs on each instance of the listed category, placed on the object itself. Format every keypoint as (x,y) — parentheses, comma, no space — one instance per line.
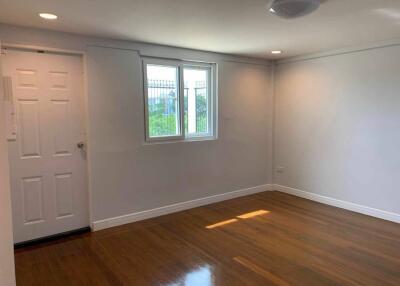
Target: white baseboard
(394,217)
(129,218)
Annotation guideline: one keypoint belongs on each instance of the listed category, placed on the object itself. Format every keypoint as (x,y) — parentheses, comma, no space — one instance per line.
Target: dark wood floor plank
(265,239)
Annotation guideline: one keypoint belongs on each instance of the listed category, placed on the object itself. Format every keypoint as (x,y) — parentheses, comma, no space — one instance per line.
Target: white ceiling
(243,27)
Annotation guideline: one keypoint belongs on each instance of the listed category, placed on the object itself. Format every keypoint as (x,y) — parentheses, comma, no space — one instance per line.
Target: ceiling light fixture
(48,16)
(293,8)
(276,52)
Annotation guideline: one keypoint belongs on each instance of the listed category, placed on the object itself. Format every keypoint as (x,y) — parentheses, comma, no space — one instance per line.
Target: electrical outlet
(280,169)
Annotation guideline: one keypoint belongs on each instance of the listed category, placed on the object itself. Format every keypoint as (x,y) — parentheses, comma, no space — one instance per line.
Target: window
(179,100)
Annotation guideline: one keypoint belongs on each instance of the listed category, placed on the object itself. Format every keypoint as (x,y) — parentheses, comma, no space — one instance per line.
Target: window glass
(162,101)
(197,103)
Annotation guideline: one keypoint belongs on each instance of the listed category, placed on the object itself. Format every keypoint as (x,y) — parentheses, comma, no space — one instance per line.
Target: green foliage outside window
(162,123)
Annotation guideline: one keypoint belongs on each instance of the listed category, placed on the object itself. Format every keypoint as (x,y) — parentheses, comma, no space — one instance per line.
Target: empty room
(199,143)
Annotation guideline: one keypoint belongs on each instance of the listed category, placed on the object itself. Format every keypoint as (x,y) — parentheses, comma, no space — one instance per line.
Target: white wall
(337,127)
(7,275)
(127,175)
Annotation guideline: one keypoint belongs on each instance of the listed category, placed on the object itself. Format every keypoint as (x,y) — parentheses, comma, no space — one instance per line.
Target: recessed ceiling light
(276,52)
(48,16)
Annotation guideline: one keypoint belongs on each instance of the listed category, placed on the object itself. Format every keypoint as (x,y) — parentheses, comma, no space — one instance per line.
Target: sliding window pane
(162,101)
(196,99)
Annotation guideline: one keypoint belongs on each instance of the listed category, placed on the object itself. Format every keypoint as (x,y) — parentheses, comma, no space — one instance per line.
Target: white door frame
(85,102)
(7,271)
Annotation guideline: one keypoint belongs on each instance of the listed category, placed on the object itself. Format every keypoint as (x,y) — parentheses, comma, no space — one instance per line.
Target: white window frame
(212,99)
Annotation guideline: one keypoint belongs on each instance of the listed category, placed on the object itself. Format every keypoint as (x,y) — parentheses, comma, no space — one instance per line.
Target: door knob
(80,145)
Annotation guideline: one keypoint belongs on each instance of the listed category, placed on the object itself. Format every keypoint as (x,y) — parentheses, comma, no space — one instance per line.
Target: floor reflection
(202,276)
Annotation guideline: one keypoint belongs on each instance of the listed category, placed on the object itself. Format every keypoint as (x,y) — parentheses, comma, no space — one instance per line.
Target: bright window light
(48,16)
(163,101)
(197,101)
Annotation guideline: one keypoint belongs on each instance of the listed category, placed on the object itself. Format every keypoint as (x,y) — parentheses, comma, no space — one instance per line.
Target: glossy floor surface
(264,239)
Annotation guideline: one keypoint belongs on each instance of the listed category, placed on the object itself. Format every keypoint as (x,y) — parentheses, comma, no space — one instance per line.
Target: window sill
(187,140)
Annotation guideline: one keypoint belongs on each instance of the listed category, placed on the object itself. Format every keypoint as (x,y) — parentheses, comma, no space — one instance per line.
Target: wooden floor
(292,241)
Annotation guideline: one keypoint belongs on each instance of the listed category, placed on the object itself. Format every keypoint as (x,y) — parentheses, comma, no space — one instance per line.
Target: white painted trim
(180,65)
(340,51)
(394,217)
(137,216)
(47,49)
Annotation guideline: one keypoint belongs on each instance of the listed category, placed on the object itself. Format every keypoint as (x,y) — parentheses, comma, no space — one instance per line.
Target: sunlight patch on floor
(243,216)
(225,222)
(253,214)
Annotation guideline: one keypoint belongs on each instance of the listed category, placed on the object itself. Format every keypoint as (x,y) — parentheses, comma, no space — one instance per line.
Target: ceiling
(242,27)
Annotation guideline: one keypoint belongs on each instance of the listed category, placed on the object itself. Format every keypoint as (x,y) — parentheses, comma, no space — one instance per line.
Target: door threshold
(51,238)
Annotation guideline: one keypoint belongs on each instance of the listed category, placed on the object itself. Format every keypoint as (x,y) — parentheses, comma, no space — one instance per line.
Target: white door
(48,169)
